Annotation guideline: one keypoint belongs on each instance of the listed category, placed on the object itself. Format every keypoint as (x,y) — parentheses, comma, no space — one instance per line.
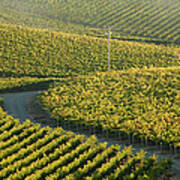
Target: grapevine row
(38,53)
(45,153)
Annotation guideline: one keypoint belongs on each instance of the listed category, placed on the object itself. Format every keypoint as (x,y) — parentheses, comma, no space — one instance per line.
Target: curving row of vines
(30,152)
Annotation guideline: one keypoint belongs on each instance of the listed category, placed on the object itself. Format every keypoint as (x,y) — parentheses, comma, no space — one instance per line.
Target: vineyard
(158,19)
(30,152)
(137,101)
(141,102)
(35,53)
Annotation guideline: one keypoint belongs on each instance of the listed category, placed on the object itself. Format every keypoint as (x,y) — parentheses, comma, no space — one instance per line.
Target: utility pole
(109,47)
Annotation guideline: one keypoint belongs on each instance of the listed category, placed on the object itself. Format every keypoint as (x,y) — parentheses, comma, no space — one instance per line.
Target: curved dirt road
(16,105)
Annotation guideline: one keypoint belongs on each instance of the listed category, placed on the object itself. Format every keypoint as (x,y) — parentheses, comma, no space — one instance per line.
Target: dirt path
(20,105)
(15,104)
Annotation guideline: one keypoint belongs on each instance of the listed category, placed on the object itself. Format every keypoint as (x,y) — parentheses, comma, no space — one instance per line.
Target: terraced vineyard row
(143,103)
(30,152)
(144,18)
(28,52)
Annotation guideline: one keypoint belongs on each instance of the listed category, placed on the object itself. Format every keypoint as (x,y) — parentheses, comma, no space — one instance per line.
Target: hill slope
(150,18)
(29,52)
(142,102)
(30,152)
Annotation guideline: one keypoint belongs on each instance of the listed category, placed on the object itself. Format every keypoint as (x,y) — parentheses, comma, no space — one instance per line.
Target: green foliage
(30,152)
(151,18)
(143,102)
(35,53)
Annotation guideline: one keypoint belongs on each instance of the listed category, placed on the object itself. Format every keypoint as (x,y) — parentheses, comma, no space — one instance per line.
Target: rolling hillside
(141,102)
(31,52)
(157,19)
(44,43)
(61,45)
